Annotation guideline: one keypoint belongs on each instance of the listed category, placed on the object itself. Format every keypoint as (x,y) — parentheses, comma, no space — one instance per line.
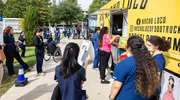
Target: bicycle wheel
(57,55)
(47,56)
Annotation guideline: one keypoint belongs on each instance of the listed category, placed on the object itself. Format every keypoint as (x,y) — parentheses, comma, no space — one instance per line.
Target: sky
(83,3)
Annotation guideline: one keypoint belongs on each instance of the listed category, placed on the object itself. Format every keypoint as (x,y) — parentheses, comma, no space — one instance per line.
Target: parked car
(61,29)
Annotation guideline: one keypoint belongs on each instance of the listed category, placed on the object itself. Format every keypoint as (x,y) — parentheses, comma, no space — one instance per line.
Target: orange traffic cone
(21,81)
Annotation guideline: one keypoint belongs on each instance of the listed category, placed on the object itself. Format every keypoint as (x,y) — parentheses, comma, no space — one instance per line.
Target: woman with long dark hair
(11,51)
(135,77)
(39,50)
(70,74)
(22,43)
(156,44)
(104,44)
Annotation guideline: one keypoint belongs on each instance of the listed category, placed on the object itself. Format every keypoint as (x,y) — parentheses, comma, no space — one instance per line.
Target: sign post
(1,30)
(86,47)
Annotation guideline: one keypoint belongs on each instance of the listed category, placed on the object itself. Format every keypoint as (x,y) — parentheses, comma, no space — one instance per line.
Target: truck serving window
(119,23)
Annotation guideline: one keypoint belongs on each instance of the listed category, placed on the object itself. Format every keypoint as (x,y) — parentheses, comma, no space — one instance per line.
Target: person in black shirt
(11,51)
(39,50)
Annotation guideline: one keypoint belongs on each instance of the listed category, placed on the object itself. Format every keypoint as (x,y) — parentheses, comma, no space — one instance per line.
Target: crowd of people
(136,77)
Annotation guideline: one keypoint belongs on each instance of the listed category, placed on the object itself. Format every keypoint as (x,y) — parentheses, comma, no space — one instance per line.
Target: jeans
(103,58)
(39,59)
(96,59)
(57,39)
(78,36)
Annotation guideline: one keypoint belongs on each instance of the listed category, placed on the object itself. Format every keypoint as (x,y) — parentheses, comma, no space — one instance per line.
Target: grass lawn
(8,81)
(30,59)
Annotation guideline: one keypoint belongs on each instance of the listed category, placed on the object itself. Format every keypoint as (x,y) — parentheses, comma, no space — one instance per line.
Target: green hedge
(30,24)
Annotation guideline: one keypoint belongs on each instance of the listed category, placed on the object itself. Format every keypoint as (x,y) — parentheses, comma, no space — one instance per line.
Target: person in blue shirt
(96,56)
(44,35)
(70,75)
(51,43)
(57,35)
(11,52)
(22,43)
(48,33)
(156,44)
(135,77)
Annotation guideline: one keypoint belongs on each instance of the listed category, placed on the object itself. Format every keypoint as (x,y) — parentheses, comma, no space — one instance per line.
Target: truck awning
(108,11)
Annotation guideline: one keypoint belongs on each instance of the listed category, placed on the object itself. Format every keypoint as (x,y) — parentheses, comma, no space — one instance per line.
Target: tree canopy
(43,11)
(66,12)
(15,9)
(37,14)
(30,23)
(73,1)
(2,7)
(97,4)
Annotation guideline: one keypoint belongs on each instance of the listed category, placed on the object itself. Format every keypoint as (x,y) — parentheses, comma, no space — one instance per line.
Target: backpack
(68,31)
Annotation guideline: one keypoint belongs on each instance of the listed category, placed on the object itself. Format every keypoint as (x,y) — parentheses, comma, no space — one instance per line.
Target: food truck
(145,18)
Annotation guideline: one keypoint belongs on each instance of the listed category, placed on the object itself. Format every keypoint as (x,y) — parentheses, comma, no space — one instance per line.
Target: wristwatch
(110,98)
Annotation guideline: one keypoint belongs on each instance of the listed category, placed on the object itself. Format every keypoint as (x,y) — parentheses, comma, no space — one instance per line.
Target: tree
(21,24)
(97,4)
(73,1)
(37,14)
(2,7)
(30,24)
(43,11)
(55,14)
(15,8)
(66,12)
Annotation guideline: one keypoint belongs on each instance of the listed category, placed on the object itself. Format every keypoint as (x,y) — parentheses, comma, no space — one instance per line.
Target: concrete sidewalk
(41,87)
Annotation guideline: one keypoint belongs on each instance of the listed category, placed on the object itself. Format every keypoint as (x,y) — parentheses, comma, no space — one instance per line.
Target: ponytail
(146,76)
(162,43)
(37,30)
(165,46)
(100,37)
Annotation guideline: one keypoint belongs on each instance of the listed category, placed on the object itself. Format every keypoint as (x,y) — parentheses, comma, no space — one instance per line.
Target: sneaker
(14,75)
(29,69)
(43,72)
(97,69)
(40,74)
(6,70)
(104,82)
